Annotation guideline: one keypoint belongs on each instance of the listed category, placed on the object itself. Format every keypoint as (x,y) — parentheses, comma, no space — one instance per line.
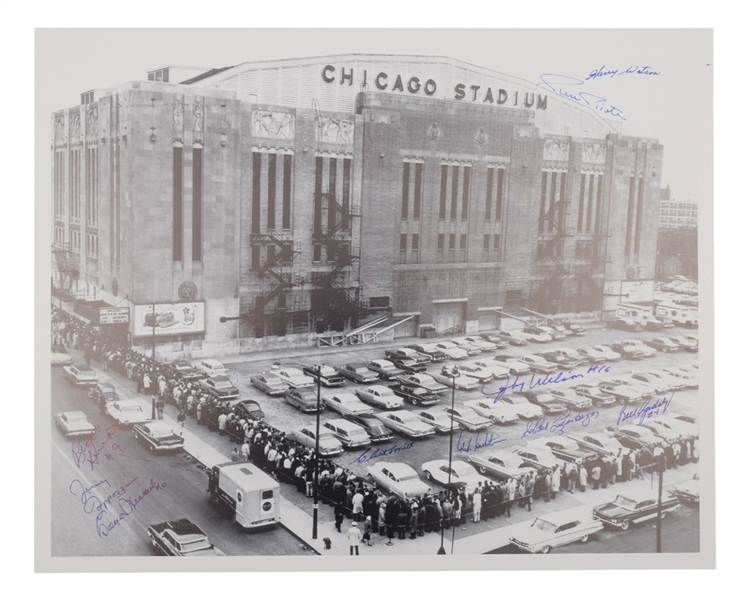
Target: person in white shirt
(354,535)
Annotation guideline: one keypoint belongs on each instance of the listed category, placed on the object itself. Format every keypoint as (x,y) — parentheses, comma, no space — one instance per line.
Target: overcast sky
(673,106)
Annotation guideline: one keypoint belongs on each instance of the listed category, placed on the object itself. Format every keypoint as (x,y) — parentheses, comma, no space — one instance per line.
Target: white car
(470,347)
(480,343)
(515,366)
(424,381)
(438,419)
(689,376)
(127,412)
(538,364)
(467,418)
(461,473)
(514,338)
(475,371)
(556,529)
(406,423)
(328,445)
(497,412)
(539,457)
(460,382)
(294,378)
(74,423)
(398,478)
(497,369)
(211,367)
(346,403)
(380,396)
(521,406)
(452,350)
(679,426)
(601,443)
(599,354)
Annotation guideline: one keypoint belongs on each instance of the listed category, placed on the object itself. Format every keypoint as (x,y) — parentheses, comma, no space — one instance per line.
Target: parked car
(211,367)
(349,434)
(674,383)
(416,396)
(80,374)
(185,371)
(572,400)
(181,538)
(380,396)
(438,419)
(452,350)
(74,423)
(554,530)
(127,412)
(220,387)
(600,443)
(522,407)
(60,356)
(406,423)
(467,418)
(373,427)
(102,393)
(538,364)
(346,403)
(385,369)
(475,371)
(564,448)
(460,473)
(537,334)
(633,508)
(480,342)
(623,394)
(556,332)
(329,376)
(668,434)
(496,412)
(561,359)
(633,349)
(431,350)
(397,478)
(645,390)
(328,445)
(626,325)
(688,492)
(424,381)
(684,343)
(595,395)
(636,437)
(658,384)
(269,384)
(546,401)
(514,338)
(515,366)
(248,409)
(678,426)
(358,373)
(404,353)
(303,399)
(575,329)
(538,457)
(597,354)
(497,369)
(500,464)
(409,365)
(294,377)
(471,348)
(158,436)
(495,338)
(447,378)
(663,344)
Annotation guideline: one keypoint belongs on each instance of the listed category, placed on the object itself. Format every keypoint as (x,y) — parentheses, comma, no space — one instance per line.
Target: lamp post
(317,460)
(453,374)
(660,463)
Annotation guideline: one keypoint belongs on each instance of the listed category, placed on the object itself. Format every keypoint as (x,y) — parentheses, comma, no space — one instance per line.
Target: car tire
(153,541)
(136,436)
(546,549)
(414,401)
(663,514)
(622,401)
(428,475)
(482,469)
(625,525)
(585,538)
(493,420)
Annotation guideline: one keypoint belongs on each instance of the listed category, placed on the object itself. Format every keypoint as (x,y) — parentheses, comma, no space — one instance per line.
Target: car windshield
(543,525)
(196,545)
(130,408)
(625,503)
(223,384)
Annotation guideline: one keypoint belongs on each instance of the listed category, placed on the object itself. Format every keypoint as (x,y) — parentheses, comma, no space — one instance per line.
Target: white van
(211,367)
(253,495)
(349,434)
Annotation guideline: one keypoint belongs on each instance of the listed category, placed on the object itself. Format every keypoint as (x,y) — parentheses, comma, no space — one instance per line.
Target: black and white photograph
(371,299)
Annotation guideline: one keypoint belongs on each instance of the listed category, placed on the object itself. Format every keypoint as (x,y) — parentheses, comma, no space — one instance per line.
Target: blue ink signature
(558,425)
(604,72)
(379,453)
(559,83)
(645,411)
(126,506)
(473,443)
(537,381)
(88,452)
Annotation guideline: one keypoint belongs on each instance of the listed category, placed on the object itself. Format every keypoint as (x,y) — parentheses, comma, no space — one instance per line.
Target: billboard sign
(113,315)
(169,319)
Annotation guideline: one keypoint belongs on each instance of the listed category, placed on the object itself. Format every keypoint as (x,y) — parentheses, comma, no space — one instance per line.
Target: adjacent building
(272,204)
(674,214)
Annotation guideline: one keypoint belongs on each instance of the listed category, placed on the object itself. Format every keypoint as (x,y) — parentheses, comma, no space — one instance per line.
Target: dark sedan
(417,396)
(624,510)
(373,427)
(220,387)
(158,436)
(102,393)
(185,371)
(181,538)
(248,409)
(358,373)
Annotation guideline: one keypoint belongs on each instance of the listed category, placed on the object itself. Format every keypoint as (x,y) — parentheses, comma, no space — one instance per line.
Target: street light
(453,375)
(317,460)
(660,463)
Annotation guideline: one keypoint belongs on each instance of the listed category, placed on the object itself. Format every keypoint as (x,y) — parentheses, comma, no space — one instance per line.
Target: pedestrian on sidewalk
(355,536)
(477,505)
(235,454)
(366,537)
(160,408)
(181,420)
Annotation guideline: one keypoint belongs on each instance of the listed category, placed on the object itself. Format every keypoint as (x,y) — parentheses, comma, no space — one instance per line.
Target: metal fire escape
(553,250)
(598,259)
(66,266)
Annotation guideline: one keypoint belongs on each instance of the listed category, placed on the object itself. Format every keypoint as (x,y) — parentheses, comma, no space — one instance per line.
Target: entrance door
(449,317)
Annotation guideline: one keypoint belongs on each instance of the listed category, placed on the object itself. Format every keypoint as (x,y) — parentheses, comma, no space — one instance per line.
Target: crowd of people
(351,496)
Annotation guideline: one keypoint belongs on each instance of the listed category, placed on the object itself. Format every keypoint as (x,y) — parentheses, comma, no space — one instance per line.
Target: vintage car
(644,389)
(80,374)
(546,401)
(460,473)
(185,371)
(381,397)
(102,393)
(658,384)
(397,478)
(358,372)
(689,376)
(572,400)
(424,381)
(181,538)
(497,369)
(294,377)
(633,508)
(328,445)
(438,419)
(158,436)
(636,437)
(500,464)
(211,367)
(595,395)
(537,334)
(496,412)
(409,365)
(600,443)
(538,364)
(269,384)
(220,387)
(329,376)
(74,423)
(452,350)
(521,406)
(679,426)
(515,366)
(663,344)
(404,353)
(248,409)
(475,371)
(346,432)
(304,400)
(633,349)
(514,338)
(431,350)
(405,423)
(60,356)
(557,332)
(626,325)
(624,394)
(574,328)
(538,457)
(477,341)
(556,529)
(685,343)
(461,381)
(564,358)
(385,369)
(596,354)
(127,412)
(464,344)
(372,426)
(563,448)
(346,403)
(416,396)
(495,338)
(674,383)
(668,434)
(467,418)
(688,492)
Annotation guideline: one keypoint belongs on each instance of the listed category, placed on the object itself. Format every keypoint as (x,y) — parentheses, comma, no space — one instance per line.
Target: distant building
(674,214)
(308,196)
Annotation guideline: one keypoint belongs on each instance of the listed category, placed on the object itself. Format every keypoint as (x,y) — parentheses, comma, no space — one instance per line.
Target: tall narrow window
(197,203)
(286,207)
(417,189)
(462,241)
(405,192)
(441,241)
(497,242)
(543,202)
(318,200)
(488,203)
(629,222)
(404,242)
(638,217)
(452,241)
(486,245)
(345,221)
(499,196)
(443,190)
(255,207)
(590,203)
(599,183)
(177,203)
(271,216)
(454,191)
(465,198)
(581,201)
(552,203)
(332,194)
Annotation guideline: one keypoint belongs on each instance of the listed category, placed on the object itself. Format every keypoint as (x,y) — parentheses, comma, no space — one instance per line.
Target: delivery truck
(252,495)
